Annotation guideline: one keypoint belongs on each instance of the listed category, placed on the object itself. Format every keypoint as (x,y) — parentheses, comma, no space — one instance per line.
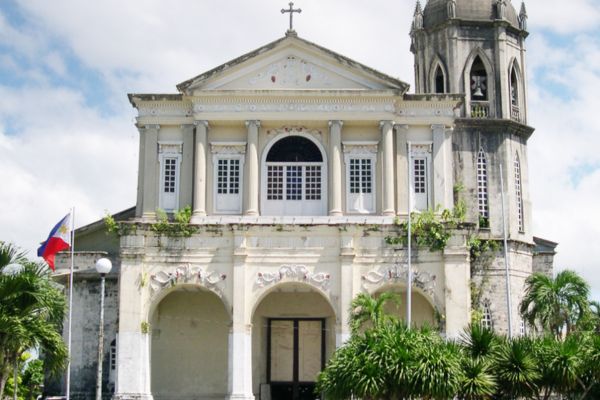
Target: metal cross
(291,11)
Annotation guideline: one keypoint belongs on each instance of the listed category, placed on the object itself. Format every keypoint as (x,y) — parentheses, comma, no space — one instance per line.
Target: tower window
(479,81)
(515,113)
(170,166)
(486,317)
(440,82)
(482,190)
(519,192)
(228,169)
(113,355)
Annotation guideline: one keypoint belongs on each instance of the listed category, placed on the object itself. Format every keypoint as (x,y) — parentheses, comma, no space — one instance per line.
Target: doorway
(295,356)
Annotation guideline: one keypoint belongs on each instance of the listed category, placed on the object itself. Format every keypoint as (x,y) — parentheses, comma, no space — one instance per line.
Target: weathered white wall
(189,346)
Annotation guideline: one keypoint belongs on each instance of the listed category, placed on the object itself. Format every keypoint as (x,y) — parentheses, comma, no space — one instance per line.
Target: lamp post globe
(103,266)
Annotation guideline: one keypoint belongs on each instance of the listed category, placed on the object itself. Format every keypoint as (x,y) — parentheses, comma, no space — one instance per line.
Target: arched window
(294,176)
(482,190)
(486,317)
(440,80)
(519,192)
(479,81)
(514,95)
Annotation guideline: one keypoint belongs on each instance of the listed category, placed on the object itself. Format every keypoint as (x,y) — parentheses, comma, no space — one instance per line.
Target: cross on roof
(291,10)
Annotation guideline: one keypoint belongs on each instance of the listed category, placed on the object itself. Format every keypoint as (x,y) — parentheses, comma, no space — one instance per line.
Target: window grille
(275,182)
(293,187)
(228,176)
(482,186)
(420,175)
(361,179)
(313,182)
(113,355)
(518,192)
(170,174)
(486,318)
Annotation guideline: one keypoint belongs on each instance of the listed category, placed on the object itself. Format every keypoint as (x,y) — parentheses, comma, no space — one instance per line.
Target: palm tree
(516,368)
(366,309)
(555,304)
(32,309)
(479,345)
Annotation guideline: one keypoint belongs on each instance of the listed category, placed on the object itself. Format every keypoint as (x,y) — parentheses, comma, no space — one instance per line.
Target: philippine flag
(58,240)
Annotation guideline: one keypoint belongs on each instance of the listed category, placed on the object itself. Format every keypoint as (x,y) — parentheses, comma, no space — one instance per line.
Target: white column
(150,202)
(133,352)
(240,334)
(240,362)
(457,275)
(186,193)
(387,141)
(442,167)
(402,169)
(252,187)
(200,151)
(335,167)
(347,254)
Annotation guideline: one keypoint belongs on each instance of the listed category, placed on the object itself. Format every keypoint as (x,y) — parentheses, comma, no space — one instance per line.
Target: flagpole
(409,242)
(506,262)
(68,383)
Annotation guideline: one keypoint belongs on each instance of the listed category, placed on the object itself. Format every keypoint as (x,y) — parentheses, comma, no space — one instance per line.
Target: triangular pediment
(292,63)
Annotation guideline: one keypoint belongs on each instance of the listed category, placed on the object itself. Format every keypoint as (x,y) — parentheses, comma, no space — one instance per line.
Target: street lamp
(103,267)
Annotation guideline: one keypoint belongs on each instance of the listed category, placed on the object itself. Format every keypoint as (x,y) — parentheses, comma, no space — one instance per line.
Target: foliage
(178,227)
(32,309)
(30,379)
(480,247)
(385,359)
(368,310)
(118,228)
(430,228)
(556,305)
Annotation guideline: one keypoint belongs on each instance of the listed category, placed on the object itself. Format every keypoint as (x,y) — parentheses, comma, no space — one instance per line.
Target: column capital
(383,123)
(201,122)
(437,127)
(402,126)
(253,122)
(186,126)
(336,122)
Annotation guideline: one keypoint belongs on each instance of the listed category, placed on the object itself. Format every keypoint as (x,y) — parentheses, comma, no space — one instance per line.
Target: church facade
(297,164)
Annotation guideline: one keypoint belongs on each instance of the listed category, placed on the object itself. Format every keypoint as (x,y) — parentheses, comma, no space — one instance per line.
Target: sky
(67,134)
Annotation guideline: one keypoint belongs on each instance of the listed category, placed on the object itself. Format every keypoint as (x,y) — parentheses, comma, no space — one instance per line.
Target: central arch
(293,334)
(294,176)
(189,348)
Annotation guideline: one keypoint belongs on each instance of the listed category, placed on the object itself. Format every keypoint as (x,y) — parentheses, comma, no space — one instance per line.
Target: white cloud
(563,16)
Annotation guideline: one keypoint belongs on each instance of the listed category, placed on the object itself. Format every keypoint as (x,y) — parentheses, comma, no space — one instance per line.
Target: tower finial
(523,17)
(418,17)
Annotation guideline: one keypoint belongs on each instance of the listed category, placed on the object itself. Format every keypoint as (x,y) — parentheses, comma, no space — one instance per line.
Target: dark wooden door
(296,354)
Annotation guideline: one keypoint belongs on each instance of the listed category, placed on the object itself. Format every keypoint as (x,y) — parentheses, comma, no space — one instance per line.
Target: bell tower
(476,48)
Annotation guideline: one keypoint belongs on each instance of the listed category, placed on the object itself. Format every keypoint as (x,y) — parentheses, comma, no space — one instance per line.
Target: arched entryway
(422,311)
(189,349)
(293,334)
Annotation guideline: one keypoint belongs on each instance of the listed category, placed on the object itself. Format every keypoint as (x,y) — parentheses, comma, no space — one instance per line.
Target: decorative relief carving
(187,274)
(162,109)
(399,273)
(292,72)
(170,147)
(421,149)
(228,147)
(277,105)
(298,273)
(360,148)
(317,134)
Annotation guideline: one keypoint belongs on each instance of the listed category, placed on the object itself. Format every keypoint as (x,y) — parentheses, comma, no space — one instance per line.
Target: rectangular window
(169,181)
(360,193)
(275,182)
(227,184)
(420,175)
(293,185)
(313,182)
(228,176)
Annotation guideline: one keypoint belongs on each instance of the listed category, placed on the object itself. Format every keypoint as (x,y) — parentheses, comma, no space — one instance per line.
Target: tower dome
(439,11)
